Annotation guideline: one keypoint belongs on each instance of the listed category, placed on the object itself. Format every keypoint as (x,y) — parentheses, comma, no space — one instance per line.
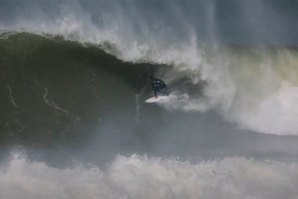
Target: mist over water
(74,77)
(143,177)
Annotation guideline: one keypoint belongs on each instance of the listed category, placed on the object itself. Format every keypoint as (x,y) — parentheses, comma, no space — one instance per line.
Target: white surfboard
(155,99)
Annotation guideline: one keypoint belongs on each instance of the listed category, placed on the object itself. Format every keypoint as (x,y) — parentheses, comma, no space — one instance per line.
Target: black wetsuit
(157,85)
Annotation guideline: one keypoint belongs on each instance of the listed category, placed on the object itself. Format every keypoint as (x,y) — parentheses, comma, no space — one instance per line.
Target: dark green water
(55,92)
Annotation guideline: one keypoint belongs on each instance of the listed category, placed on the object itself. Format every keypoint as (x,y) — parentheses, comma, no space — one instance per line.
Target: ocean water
(74,76)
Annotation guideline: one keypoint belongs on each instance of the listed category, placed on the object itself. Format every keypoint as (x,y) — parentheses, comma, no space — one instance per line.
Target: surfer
(157,85)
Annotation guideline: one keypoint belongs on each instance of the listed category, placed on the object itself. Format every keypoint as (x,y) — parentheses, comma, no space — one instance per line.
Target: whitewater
(143,177)
(74,77)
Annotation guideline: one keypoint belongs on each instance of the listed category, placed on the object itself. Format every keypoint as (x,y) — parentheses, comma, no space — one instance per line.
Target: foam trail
(142,177)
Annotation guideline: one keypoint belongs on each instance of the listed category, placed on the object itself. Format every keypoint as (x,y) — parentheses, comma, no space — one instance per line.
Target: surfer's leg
(155,93)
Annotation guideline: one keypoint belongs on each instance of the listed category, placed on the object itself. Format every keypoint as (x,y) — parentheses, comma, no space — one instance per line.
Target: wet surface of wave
(74,77)
(61,95)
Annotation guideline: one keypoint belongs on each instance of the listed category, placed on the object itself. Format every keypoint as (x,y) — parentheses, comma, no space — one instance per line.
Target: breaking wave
(74,77)
(252,86)
(143,177)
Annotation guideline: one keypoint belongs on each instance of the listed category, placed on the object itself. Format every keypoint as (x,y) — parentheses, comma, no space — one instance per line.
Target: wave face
(143,177)
(56,91)
(251,86)
(66,96)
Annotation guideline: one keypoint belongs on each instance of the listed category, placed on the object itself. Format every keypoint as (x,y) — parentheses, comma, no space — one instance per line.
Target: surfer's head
(151,77)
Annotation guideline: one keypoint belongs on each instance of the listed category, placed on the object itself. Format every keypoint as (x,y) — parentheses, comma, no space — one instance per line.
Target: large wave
(64,98)
(143,177)
(255,87)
